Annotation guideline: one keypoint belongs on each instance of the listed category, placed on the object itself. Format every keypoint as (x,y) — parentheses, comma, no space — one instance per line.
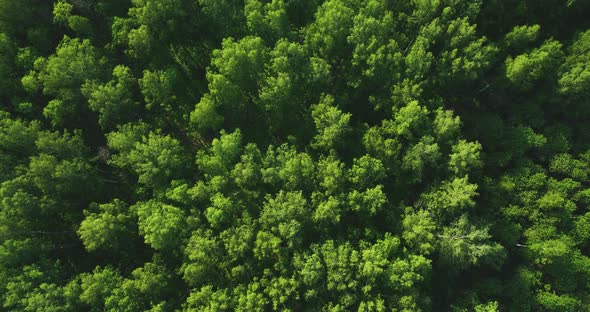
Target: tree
(575,74)
(112,101)
(526,69)
(268,21)
(62,75)
(463,245)
(107,226)
(230,85)
(98,286)
(331,124)
(147,287)
(327,34)
(161,225)
(155,159)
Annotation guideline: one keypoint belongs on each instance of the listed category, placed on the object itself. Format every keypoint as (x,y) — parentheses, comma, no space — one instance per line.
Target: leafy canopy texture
(294,155)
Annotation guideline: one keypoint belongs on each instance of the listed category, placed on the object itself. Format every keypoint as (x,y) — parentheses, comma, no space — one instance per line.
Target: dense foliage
(294,155)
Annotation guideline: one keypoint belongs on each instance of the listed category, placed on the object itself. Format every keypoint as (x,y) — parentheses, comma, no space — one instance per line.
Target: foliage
(294,155)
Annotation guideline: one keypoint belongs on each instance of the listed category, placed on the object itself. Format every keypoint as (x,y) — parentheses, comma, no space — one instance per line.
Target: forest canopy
(295,155)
